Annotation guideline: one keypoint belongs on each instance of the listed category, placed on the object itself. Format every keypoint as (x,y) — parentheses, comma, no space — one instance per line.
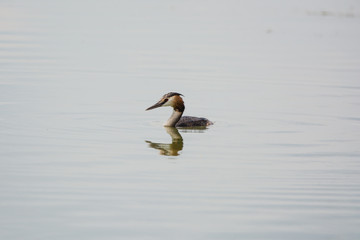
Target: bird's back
(187,121)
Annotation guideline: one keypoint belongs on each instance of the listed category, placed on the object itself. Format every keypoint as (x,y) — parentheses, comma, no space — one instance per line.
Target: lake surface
(80,158)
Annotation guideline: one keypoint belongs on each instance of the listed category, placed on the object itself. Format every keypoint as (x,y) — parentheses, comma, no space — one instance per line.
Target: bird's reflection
(177,144)
(169,149)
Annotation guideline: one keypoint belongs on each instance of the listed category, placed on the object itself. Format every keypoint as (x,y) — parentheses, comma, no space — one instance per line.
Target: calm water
(81,159)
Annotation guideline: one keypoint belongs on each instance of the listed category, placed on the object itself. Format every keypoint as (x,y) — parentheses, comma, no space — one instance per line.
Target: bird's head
(172,99)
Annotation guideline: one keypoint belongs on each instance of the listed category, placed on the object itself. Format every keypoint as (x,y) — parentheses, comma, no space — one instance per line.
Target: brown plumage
(178,103)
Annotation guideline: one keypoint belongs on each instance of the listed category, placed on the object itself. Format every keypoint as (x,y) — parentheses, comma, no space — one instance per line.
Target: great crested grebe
(174,100)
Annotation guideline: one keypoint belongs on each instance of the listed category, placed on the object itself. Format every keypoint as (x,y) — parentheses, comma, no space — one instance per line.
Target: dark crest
(171,94)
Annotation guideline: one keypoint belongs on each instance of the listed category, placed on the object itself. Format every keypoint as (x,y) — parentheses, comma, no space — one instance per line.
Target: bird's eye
(165,100)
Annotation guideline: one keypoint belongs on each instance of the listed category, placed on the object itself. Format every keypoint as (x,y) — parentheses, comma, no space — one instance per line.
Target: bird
(174,100)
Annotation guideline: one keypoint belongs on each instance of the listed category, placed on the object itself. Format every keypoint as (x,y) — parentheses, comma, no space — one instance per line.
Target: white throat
(174,118)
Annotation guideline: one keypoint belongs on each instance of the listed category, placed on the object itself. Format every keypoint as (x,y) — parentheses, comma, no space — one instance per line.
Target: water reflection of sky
(280,80)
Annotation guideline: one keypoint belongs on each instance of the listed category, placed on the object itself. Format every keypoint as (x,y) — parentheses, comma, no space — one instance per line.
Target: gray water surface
(80,158)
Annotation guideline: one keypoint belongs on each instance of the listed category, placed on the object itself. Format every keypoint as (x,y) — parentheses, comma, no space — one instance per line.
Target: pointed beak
(156,105)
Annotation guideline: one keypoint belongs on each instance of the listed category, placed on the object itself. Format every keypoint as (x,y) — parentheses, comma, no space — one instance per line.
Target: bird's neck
(179,108)
(174,118)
